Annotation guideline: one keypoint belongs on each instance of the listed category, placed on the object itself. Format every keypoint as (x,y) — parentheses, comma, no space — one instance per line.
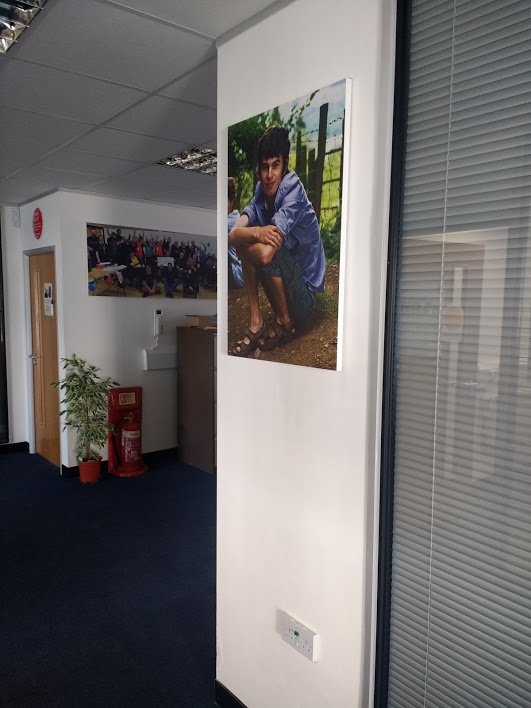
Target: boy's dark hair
(232,189)
(274,141)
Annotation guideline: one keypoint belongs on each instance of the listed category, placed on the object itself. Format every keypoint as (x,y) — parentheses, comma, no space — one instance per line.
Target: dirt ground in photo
(315,346)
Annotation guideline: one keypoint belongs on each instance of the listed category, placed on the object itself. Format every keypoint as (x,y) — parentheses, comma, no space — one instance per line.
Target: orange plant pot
(89,471)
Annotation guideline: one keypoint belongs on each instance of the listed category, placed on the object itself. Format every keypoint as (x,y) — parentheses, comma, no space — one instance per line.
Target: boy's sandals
(249,343)
(276,335)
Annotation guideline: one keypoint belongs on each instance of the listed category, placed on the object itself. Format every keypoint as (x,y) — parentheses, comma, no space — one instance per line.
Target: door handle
(33,358)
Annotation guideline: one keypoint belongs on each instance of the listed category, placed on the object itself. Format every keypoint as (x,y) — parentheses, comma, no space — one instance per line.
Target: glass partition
(460,605)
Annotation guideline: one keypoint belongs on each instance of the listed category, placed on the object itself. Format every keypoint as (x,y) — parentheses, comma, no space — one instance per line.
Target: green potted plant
(84,399)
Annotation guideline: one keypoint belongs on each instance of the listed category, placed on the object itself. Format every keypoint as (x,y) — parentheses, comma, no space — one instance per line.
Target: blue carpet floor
(107,591)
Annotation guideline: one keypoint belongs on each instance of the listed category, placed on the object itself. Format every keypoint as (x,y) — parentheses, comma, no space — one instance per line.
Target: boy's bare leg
(252,257)
(250,282)
(276,294)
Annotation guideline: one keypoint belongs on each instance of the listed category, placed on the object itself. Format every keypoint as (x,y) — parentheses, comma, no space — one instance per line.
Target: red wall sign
(37,223)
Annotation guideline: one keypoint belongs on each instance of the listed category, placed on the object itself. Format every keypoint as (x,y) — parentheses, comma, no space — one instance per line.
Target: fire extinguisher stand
(125,435)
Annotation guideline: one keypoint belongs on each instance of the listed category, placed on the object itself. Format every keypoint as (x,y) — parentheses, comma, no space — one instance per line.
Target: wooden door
(44,356)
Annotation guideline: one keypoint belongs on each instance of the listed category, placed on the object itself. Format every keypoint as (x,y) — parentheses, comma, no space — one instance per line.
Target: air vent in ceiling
(15,16)
(196,159)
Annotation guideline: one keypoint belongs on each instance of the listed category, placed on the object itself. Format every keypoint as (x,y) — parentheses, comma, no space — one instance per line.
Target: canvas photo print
(286,227)
(129,262)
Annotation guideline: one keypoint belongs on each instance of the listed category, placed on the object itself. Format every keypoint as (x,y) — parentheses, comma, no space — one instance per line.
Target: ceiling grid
(122,84)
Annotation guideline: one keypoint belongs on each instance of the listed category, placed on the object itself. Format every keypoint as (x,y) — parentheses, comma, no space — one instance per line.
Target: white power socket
(301,638)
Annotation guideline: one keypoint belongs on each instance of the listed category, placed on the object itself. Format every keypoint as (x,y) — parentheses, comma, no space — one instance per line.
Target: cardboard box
(201,320)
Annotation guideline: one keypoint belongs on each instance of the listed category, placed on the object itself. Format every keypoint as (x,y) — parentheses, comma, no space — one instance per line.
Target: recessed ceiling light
(15,16)
(196,159)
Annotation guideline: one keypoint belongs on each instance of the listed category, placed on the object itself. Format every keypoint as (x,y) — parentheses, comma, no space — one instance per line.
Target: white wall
(298,448)
(110,332)
(15,326)
(15,240)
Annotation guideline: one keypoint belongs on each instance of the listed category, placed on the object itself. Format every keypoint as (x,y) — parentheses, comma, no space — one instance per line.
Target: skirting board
(15,447)
(148,457)
(226,699)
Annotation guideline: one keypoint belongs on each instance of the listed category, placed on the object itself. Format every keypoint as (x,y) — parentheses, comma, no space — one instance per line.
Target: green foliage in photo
(302,121)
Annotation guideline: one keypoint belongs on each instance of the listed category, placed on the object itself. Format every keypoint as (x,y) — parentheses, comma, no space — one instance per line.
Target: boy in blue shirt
(235,265)
(278,242)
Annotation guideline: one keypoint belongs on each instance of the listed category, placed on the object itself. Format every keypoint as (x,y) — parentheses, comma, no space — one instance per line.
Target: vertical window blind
(460,632)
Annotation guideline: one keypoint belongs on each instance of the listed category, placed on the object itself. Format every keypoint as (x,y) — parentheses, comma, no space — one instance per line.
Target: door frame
(387,443)
(30,403)
(4,386)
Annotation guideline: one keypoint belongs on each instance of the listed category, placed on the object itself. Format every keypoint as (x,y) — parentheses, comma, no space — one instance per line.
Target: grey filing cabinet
(196,397)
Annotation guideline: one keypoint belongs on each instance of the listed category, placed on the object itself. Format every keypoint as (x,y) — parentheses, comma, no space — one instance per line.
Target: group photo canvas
(132,262)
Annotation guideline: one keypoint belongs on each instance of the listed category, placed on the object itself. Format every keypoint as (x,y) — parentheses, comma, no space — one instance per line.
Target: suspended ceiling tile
(211,17)
(127,146)
(34,181)
(27,137)
(162,184)
(112,188)
(11,163)
(199,86)
(85,163)
(161,51)
(168,178)
(173,120)
(41,89)
(61,178)
(137,190)
(212,144)
(205,198)
(21,189)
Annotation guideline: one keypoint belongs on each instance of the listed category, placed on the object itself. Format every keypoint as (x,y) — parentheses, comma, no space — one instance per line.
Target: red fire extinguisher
(130,447)
(125,436)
